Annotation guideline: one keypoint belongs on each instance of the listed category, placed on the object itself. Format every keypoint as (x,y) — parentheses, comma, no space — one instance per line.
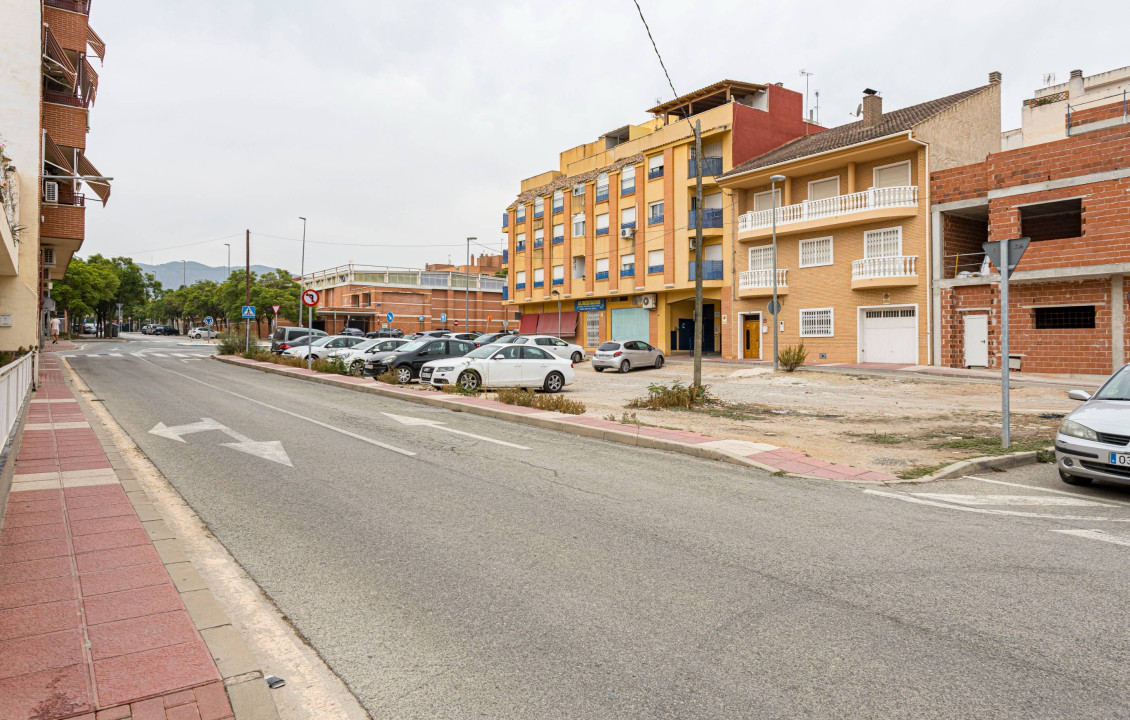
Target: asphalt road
(561,577)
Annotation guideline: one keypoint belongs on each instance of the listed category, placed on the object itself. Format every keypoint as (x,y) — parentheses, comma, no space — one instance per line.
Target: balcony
(711,270)
(711,166)
(759,283)
(78,6)
(505,293)
(877,272)
(520,247)
(879,203)
(558,239)
(505,219)
(64,222)
(389,277)
(602,275)
(628,225)
(655,173)
(559,208)
(539,243)
(628,271)
(655,219)
(558,281)
(711,218)
(539,214)
(505,256)
(64,98)
(520,218)
(654,269)
(602,230)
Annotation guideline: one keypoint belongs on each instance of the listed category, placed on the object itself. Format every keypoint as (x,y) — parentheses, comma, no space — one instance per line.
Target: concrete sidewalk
(100,612)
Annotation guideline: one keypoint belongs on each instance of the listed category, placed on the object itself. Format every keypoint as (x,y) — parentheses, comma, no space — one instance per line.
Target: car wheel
(1073,480)
(404,374)
(469,381)
(356,367)
(553,382)
(658,362)
(598,369)
(625,366)
(578,358)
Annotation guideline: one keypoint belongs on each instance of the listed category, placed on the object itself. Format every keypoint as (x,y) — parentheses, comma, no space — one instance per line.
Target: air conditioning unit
(649,302)
(627,233)
(51,192)
(48,256)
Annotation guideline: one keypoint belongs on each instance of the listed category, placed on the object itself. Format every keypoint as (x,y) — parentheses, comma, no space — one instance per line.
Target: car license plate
(1122,459)
(427,372)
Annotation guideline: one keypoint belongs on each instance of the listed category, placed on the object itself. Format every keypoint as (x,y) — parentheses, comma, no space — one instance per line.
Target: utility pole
(467,299)
(247,276)
(302,281)
(228,246)
(698,268)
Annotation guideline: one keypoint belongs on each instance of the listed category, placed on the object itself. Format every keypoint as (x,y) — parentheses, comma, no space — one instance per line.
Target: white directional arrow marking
(405,420)
(268,450)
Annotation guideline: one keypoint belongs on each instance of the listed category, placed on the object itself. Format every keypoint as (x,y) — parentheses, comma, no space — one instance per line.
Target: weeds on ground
(982,445)
(792,357)
(541,401)
(881,438)
(389,377)
(230,343)
(920,471)
(674,396)
(333,365)
(457,389)
(1045,456)
(627,418)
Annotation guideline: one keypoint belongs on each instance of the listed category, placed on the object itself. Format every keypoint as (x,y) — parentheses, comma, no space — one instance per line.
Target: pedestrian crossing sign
(248,312)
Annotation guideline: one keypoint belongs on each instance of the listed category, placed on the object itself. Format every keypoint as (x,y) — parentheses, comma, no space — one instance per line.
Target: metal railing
(558,239)
(654,269)
(602,275)
(653,173)
(505,256)
(601,194)
(369,275)
(711,270)
(762,278)
(505,219)
(538,243)
(1113,109)
(627,189)
(710,166)
(875,198)
(602,230)
(15,384)
(711,218)
(559,208)
(628,271)
(628,225)
(884,267)
(655,219)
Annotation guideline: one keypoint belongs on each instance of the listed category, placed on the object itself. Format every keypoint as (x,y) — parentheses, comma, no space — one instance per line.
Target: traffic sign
(275,309)
(248,312)
(310,298)
(1016,248)
(443,317)
(389,316)
(490,318)
(774,307)
(208,320)
(421,318)
(456,323)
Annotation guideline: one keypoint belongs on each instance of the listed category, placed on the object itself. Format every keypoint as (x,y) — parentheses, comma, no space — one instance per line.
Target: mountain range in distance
(173,274)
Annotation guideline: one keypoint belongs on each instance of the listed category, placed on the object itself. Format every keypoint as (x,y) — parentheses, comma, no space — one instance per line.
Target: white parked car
(508,365)
(202,332)
(323,346)
(1093,442)
(356,356)
(555,345)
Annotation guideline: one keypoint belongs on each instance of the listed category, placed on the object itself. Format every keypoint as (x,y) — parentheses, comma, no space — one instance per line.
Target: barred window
(815,252)
(761,257)
(1078,317)
(817,322)
(882,243)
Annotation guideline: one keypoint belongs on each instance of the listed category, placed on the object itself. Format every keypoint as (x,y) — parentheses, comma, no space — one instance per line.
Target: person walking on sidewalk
(55,329)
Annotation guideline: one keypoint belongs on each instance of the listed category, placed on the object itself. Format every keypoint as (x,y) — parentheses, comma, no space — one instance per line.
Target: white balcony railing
(761,278)
(871,199)
(401,277)
(884,267)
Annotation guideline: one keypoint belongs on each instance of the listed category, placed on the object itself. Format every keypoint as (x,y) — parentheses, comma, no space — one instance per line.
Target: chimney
(1075,85)
(995,77)
(872,108)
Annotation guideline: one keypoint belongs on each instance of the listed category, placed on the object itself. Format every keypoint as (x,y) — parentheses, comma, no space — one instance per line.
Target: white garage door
(890,335)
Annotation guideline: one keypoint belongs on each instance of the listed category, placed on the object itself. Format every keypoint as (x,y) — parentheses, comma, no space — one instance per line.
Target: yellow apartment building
(853,230)
(608,234)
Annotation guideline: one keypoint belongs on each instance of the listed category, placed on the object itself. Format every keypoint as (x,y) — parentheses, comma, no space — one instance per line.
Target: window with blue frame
(628,180)
(558,233)
(654,261)
(558,201)
(655,167)
(655,213)
(539,207)
(602,224)
(539,277)
(602,187)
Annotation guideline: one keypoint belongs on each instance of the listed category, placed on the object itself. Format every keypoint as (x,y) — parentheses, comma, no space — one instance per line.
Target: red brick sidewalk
(90,620)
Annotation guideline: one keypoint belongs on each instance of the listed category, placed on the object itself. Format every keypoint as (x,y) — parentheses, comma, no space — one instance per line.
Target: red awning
(548,324)
(529,324)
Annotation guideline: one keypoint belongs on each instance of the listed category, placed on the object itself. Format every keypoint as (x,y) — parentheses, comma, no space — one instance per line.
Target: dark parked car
(165,330)
(489,338)
(408,358)
(352,332)
(386,333)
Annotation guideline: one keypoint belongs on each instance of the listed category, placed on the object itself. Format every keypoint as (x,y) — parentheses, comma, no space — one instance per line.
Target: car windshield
(365,345)
(481,353)
(1117,388)
(412,346)
(321,341)
(609,346)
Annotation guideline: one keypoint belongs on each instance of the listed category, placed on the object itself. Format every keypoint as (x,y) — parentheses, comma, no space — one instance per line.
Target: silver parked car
(1093,442)
(624,355)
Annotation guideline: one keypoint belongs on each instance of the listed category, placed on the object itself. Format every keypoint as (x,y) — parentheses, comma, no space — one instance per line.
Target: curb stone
(241,679)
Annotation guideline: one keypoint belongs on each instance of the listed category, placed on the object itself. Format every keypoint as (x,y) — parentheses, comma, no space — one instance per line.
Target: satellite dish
(858,110)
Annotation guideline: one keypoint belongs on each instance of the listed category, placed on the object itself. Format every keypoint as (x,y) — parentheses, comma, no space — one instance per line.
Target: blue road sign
(208,320)
(249,312)
(443,317)
(389,317)
(421,318)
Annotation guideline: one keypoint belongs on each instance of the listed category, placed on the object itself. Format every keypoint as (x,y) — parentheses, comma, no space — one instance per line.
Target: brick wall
(1086,116)
(408,305)
(69,28)
(63,222)
(963,239)
(959,183)
(65,124)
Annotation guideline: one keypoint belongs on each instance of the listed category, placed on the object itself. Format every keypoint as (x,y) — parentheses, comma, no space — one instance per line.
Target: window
(1053,220)
(628,180)
(592,328)
(437,347)
(826,188)
(655,212)
(602,268)
(558,274)
(578,224)
(520,280)
(602,187)
(579,189)
(539,206)
(764,200)
(710,150)
(894,175)
(558,233)
(761,257)
(655,261)
(816,252)
(520,213)
(628,217)
(816,323)
(602,224)
(655,167)
(520,241)
(533,353)
(558,201)
(539,238)
(539,277)
(579,266)
(1078,317)
(627,265)
(458,347)
(882,243)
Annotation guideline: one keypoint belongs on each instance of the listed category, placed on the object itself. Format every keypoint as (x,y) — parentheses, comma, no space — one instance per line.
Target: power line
(656,48)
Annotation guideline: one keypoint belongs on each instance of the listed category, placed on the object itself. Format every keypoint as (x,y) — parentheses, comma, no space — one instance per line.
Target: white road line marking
(987,511)
(435,424)
(138,354)
(158,354)
(1096,535)
(1032,500)
(92,355)
(268,450)
(1043,489)
(180,355)
(284,411)
(116,355)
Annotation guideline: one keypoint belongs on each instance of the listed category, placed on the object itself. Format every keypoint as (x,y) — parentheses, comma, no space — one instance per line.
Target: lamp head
(777,178)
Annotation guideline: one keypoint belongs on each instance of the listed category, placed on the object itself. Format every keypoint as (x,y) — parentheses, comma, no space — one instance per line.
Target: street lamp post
(228,246)
(467,280)
(776,305)
(557,294)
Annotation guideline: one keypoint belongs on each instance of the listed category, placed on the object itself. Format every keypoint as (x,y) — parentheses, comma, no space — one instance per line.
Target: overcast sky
(401,128)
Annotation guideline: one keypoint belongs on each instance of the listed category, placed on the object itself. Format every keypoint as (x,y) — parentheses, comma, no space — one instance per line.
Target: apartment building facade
(364,296)
(48,86)
(607,237)
(1067,189)
(853,230)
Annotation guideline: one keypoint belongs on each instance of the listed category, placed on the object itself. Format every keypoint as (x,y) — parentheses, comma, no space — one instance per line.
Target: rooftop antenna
(1049,79)
(815,112)
(807,108)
